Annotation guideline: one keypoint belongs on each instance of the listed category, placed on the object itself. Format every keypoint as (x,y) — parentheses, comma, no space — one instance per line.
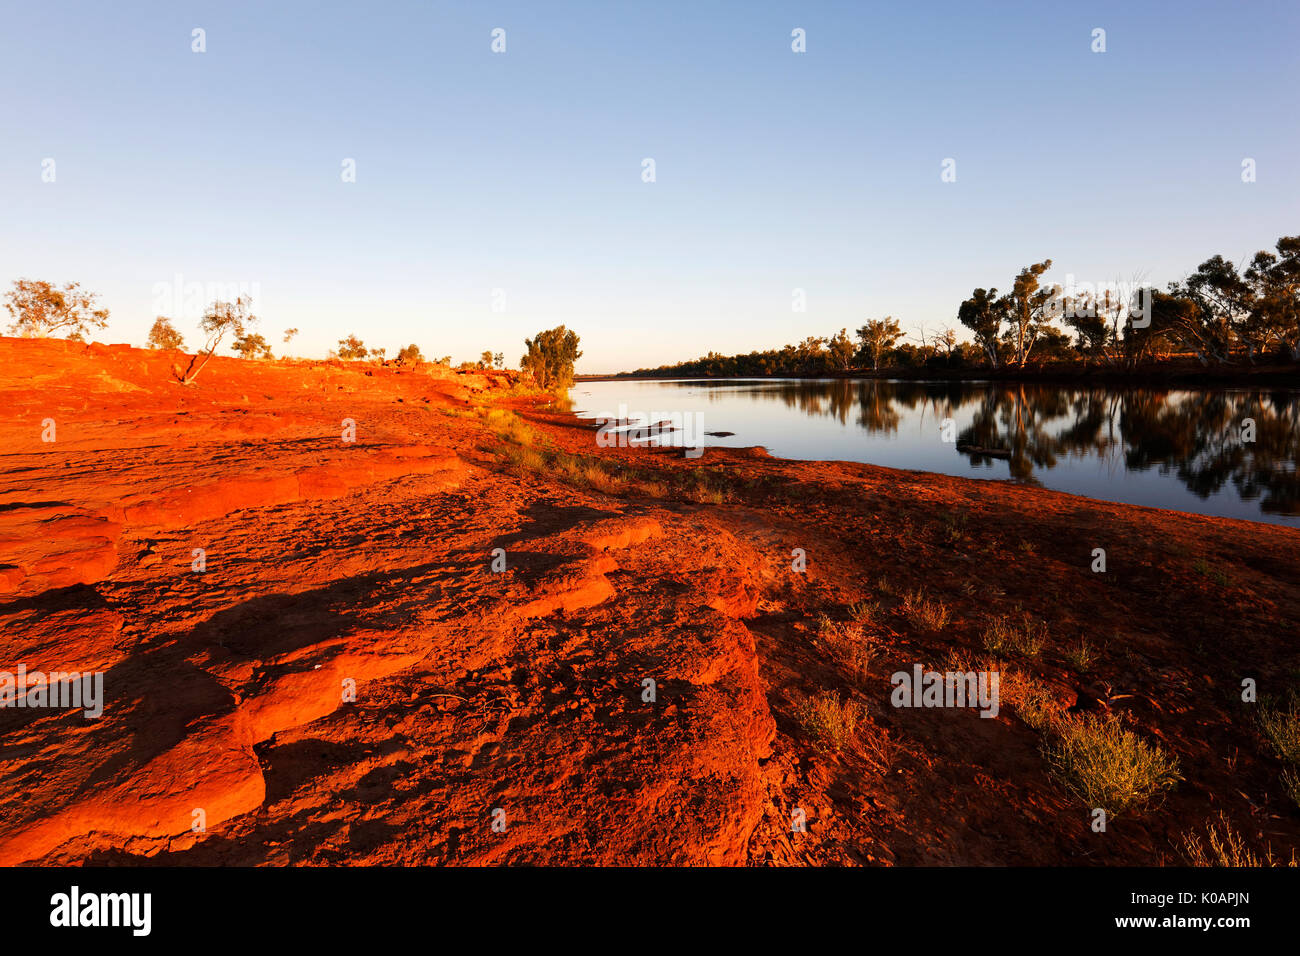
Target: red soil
(331,563)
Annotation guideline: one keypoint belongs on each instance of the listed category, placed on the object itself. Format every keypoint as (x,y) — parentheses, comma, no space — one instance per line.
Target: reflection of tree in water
(877,411)
(1196,436)
(838,399)
(1017,421)
(1201,437)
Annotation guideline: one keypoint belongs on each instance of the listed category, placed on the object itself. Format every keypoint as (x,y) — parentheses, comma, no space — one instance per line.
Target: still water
(1190,450)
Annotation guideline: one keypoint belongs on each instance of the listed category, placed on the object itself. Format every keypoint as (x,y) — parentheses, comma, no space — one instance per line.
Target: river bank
(356,651)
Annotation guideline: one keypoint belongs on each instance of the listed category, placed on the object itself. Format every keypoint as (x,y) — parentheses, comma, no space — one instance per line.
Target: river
(1223,452)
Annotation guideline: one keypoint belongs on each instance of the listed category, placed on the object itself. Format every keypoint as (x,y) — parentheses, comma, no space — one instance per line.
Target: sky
(497,194)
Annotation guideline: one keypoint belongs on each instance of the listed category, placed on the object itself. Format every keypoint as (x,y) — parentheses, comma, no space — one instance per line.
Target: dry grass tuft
(1291,784)
(923,613)
(526,459)
(1280,724)
(1106,765)
(1227,849)
(849,644)
(864,612)
(1004,635)
(828,720)
(1082,658)
(1031,699)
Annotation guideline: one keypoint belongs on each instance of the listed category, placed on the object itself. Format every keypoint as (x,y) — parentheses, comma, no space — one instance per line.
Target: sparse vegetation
(525,451)
(40,309)
(1291,785)
(829,720)
(1030,698)
(922,612)
(954,528)
(510,427)
(409,355)
(1280,724)
(1082,657)
(250,345)
(1227,848)
(525,458)
(163,335)
(221,319)
(1203,568)
(864,612)
(587,473)
(1106,765)
(351,349)
(606,475)
(704,491)
(849,644)
(1004,635)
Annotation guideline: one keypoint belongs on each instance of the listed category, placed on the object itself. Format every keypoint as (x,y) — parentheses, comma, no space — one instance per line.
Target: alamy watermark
(55,690)
(76,908)
(922,688)
(179,299)
(636,429)
(1119,299)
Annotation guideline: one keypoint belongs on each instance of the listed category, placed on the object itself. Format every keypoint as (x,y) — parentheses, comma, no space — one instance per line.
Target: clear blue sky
(522,171)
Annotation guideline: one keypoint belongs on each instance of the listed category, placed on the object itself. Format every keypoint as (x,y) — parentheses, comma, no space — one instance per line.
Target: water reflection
(1242,443)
